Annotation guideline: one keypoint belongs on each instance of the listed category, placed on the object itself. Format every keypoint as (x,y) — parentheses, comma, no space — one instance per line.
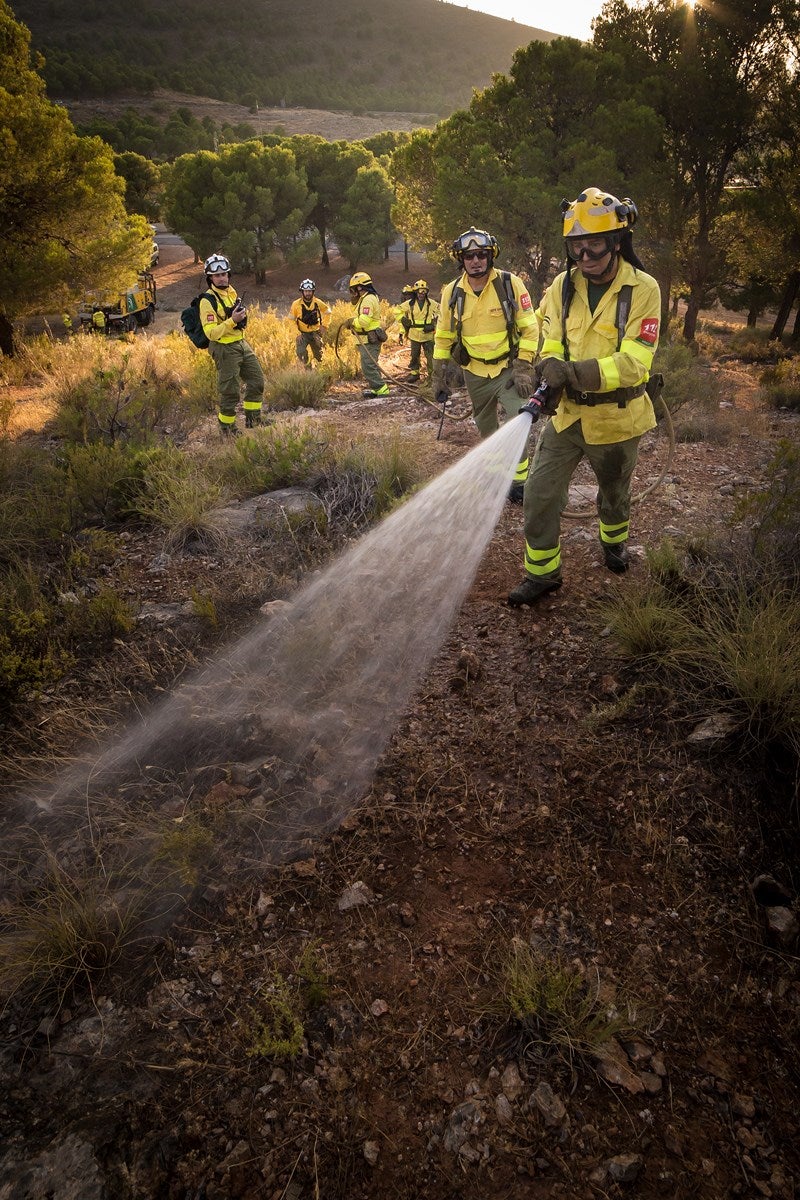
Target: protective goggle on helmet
(307,285)
(421,286)
(474,239)
(216,264)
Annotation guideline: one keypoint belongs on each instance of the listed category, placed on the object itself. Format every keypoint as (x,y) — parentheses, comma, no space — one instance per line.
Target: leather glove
(439,377)
(524,379)
(583,376)
(404,321)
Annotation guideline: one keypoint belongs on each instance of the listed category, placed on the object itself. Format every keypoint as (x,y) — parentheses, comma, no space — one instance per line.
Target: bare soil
(537,789)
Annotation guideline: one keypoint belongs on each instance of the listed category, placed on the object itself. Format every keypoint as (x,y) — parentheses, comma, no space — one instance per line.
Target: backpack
(192,325)
(505,294)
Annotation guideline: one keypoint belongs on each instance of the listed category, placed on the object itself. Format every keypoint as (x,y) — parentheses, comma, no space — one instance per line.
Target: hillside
(418,56)
(538,796)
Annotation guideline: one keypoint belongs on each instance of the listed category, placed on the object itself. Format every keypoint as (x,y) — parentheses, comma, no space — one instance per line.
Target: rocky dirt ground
(538,794)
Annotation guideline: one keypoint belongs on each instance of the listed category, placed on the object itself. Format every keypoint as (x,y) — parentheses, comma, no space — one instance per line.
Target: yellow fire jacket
(296,314)
(483,327)
(216,326)
(419,316)
(366,316)
(594,335)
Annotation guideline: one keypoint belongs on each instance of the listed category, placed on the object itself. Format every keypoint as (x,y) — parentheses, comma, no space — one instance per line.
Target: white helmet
(308,285)
(216,264)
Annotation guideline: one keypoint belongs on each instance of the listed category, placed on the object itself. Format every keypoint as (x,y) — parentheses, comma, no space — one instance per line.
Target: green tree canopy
(248,200)
(61,203)
(142,184)
(363,227)
(331,168)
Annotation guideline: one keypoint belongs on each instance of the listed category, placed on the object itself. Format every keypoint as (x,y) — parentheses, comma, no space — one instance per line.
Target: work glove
(439,377)
(583,376)
(524,378)
(404,321)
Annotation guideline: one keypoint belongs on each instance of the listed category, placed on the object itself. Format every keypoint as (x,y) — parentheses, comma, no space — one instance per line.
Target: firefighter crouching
(224,317)
(418,316)
(310,316)
(366,327)
(488,326)
(600,323)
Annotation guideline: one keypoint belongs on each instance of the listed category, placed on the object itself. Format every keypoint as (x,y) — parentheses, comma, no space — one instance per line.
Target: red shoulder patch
(365,310)
(524,300)
(649,331)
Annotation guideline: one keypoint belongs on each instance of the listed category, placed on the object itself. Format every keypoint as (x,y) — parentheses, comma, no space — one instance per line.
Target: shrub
(29,658)
(686,378)
(557,1010)
(68,934)
(98,619)
(781,385)
(365,481)
(292,388)
(180,497)
(268,458)
(279,1024)
(102,482)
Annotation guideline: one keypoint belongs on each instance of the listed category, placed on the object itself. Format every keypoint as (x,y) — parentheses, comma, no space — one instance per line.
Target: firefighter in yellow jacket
(600,324)
(310,316)
(366,327)
(488,326)
(224,317)
(418,316)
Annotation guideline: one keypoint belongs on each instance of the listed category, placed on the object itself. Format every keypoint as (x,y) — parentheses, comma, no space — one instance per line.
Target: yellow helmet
(360,279)
(596,212)
(420,286)
(474,239)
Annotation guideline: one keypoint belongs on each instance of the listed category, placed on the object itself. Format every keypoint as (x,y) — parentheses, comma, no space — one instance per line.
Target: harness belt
(489,362)
(620,396)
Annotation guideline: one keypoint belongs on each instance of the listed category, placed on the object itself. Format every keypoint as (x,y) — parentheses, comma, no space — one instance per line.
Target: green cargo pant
(416,358)
(236,363)
(369,355)
(485,395)
(308,340)
(547,491)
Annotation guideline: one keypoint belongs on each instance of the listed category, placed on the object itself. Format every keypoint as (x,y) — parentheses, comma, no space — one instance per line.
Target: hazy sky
(569,17)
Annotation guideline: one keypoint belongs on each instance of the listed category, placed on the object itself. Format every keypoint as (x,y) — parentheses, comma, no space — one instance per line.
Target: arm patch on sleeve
(649,331)
(524,300)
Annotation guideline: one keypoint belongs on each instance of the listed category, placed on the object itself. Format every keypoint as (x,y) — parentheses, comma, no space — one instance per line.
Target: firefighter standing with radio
(310,316)
(418,316)
(223,317)
(488,326)
(600,323)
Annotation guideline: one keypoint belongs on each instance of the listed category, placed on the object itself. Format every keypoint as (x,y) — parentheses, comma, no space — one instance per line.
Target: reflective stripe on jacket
(366,316)
(483,325)
(594,335)
(419,316)
(216,326)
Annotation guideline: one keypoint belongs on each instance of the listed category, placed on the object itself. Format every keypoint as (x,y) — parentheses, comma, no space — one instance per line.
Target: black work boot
(516,493)
(533,587)
(252,419)
(617,557)
(228,430)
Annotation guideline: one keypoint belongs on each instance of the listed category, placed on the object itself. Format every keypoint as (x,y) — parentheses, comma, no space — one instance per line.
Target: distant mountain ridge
(420,55)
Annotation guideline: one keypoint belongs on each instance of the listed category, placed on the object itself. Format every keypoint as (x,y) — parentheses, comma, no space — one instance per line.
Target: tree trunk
(752,316)
(405,255)
(796,331)
(6,336)
(690,317)
(325,261)
(261,275)
(790,291)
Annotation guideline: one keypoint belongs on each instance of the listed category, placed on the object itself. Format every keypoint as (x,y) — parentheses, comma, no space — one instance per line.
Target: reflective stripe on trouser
(485,395)
(415,359)
(306,341)
(547,491)
(235,363)
(369,364)
(542,562)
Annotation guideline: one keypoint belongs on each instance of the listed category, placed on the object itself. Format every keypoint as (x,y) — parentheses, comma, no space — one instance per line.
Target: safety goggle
(594,248)
(219,268)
